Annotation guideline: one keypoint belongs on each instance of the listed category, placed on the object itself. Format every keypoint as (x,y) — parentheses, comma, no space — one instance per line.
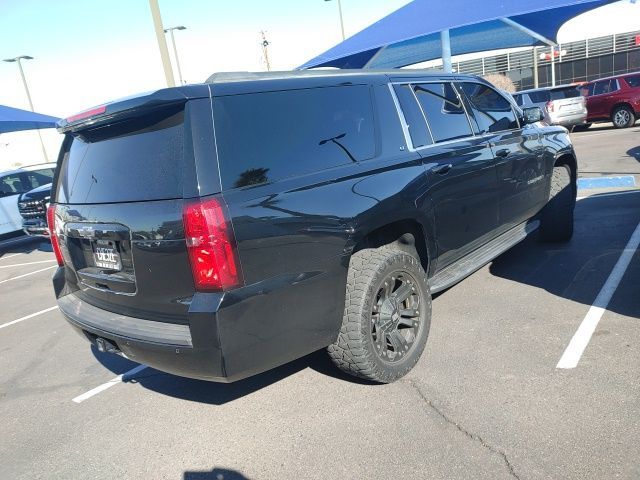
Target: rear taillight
(211,246)
(51,222)
(550,106)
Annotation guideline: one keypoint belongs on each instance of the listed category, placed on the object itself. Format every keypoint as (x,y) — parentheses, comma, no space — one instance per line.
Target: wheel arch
(406,234)
(570,161)
(623,103)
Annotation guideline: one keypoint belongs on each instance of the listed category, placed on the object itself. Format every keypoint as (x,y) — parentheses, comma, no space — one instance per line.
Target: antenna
(265,49)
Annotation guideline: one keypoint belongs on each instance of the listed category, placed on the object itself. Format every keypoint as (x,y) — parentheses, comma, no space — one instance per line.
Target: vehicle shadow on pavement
(577,270)
(215,393)
(215,474)
(22,244)
(634,153)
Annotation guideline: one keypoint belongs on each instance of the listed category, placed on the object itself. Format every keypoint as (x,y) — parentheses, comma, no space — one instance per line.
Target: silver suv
(561,105)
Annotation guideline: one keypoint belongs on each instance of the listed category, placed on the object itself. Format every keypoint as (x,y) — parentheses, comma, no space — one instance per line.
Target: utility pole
(162,44)
(265,50)
(175,50)
(26,89)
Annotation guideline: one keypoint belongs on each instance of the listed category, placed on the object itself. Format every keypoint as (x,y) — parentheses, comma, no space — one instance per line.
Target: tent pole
(445,42)
(535,67)
(553,66)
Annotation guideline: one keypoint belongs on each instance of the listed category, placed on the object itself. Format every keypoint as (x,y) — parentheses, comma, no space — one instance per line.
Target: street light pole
(341,19)
(175,50)
(162,44)
(26,89)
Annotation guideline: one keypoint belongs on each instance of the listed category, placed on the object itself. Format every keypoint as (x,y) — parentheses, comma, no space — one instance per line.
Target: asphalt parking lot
(486,399)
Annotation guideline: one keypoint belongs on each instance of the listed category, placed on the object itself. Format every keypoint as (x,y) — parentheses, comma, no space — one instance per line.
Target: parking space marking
(28,263)
(582,337)
(27,317)
(101,388)
(27,274)
(608,194)
(10,256)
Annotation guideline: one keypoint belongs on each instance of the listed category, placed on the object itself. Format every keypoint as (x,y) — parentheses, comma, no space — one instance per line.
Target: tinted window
(413,116)
(539,96)
(518,99)
(139,159)
(445,113)
(605,86)
(11,185)
(491,110)
(633,81)
(263,137)
(561,93)
(37,178)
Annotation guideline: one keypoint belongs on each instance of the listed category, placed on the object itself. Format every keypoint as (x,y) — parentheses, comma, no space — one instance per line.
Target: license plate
(106,255)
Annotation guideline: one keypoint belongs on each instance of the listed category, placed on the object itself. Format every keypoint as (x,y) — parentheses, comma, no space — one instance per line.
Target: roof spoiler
(130,106)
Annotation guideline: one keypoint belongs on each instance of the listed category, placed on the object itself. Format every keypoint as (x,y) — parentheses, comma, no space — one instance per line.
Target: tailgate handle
(93,231)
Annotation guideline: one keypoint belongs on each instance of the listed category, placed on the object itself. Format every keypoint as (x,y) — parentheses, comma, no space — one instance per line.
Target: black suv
(218,230)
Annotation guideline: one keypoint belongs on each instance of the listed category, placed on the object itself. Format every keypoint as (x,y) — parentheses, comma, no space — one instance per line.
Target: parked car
(216,231)
(32,206)
(13,183)
(614,99)
(562,105)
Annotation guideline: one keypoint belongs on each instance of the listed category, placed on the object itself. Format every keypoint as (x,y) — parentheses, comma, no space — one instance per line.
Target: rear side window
(633,81)
(605,86)
(133,160)
(492,111)
(11,185)
(413,116)
(443,108)
(263,137)
(540,96)
(518,99)
(562,93)
(38,178)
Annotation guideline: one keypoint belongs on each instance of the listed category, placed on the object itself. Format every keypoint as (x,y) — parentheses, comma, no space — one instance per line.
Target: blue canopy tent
(14,120)
(428,29)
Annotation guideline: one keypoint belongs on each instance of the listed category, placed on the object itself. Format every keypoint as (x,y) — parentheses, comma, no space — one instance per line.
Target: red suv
(613,99)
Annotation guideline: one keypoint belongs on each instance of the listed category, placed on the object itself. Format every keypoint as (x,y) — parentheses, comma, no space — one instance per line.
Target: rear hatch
(566,101)
(124,173)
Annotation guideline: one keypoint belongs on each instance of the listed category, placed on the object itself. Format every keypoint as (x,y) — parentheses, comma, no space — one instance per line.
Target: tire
(556,219)
(369,344)
(582,127)
(623,117)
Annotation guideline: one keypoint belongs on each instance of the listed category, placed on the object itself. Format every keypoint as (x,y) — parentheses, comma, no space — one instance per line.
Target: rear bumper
(227,336)
(579,118)
(35,227)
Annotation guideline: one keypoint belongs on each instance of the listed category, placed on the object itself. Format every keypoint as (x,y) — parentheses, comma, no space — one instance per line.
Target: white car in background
(15,182)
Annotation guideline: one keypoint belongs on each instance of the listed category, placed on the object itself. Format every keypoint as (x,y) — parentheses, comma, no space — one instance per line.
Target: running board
(479,258)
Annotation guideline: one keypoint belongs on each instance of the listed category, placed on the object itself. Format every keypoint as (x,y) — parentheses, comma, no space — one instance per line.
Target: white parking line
(28,263)
(581,338)
(101,388)
(27,317)
(27,274)
(10,256)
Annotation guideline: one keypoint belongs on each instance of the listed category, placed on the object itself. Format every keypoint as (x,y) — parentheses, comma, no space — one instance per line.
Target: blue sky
(92,51)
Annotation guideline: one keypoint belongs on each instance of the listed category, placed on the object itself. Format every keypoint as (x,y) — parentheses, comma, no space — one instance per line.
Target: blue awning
(412,33)
(14,120)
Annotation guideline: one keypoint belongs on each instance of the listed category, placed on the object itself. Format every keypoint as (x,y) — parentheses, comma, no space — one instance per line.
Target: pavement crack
(472,436)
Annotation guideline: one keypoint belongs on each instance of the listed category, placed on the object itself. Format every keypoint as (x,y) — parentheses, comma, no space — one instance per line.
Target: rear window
(539,96)
(633,81)
(562,93)
(264,137)
(133,160)
(25,181)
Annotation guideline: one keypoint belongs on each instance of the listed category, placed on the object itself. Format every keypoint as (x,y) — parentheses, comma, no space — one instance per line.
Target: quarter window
(263,137)
(444,111)
(415,122)
(492,111)
(633,81)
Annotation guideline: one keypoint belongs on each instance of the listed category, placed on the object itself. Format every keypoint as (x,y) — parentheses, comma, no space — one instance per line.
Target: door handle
(503,152)
(442,169)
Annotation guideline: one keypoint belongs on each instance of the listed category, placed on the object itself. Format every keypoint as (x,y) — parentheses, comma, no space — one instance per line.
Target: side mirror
(532,115)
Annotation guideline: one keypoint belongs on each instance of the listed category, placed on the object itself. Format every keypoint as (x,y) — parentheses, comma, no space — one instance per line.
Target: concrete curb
(606,182)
